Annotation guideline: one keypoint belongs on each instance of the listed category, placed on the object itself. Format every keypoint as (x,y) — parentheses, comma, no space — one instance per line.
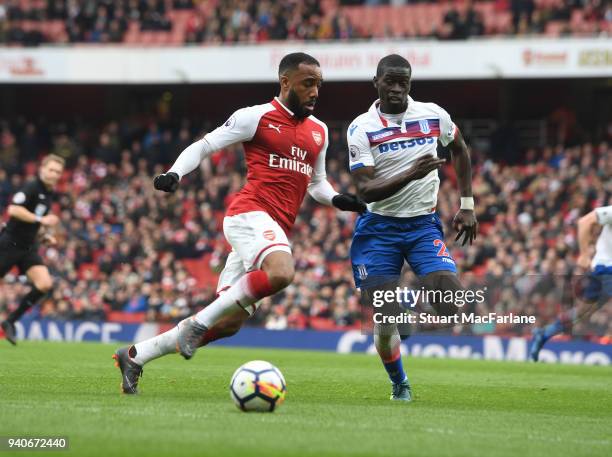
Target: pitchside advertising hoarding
(489,347)
(474,59)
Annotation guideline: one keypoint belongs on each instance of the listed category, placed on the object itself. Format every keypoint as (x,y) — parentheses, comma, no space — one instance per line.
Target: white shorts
(253,236)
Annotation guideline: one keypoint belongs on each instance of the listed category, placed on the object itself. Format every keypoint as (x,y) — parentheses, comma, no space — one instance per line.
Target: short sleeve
(360,153)
(448,129)
(604,215)
(22,197)
(240,127)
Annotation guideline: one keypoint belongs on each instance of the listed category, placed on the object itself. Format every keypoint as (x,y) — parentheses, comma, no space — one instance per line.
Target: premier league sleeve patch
(229,124)
(354,152)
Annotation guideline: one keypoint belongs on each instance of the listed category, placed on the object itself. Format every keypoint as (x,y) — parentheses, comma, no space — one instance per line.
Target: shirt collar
(374,111)
(279,105)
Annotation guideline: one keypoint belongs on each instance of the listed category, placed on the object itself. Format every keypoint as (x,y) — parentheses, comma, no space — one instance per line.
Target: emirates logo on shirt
(293,163)
(269,235)
(317,137)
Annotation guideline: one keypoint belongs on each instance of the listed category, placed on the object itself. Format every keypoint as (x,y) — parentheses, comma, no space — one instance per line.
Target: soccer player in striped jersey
(394,164)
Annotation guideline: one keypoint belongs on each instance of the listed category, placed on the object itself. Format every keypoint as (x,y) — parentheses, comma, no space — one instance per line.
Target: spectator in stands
(124,249)
(102,21)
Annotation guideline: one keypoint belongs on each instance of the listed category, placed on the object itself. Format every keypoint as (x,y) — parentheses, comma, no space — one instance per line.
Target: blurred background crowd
(126,250)
(175,22)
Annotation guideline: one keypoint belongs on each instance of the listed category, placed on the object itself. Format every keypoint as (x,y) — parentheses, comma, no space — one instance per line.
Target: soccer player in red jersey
(285,150)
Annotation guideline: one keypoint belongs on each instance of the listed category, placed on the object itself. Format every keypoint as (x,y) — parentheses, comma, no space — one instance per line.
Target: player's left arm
(323,192)
(586,228)
(464,222)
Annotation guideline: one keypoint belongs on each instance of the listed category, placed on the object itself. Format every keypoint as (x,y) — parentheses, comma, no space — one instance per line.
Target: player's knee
(280,270)
(44,284)
(281,278)
(443,282)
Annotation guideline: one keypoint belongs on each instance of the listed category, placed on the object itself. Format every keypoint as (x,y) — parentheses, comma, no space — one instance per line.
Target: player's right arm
(373,189)
(586,226)
(240,127)
(18,210)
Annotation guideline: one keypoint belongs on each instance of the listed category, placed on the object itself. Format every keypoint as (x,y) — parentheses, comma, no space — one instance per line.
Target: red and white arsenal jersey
(282,154)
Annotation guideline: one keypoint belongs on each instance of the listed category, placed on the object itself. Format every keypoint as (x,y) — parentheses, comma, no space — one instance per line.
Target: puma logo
(275,127)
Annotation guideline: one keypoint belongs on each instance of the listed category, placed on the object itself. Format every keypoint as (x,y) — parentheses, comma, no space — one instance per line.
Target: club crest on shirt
(424,125)
(269,235)
(317,137)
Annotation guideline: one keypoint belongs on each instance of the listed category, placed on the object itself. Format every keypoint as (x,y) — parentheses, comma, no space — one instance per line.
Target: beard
(296,107)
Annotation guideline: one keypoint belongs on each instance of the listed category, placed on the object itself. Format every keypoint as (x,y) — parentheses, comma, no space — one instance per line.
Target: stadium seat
(322,323)
(126,318)
(200,270)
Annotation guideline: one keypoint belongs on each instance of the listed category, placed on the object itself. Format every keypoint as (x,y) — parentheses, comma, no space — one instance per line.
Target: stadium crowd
(33,22)
(125,248)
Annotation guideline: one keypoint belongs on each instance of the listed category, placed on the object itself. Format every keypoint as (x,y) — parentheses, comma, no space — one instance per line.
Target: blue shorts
(381,244)
(599,285)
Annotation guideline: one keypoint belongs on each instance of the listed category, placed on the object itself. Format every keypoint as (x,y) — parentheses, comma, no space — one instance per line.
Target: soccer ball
(258,386)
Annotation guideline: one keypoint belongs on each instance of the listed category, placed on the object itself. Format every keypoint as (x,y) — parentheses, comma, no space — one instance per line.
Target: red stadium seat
(328,6)
(126,318)
(200,270)
(322,323)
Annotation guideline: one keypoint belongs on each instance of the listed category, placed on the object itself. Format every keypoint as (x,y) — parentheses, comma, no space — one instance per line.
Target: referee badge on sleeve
(19,198)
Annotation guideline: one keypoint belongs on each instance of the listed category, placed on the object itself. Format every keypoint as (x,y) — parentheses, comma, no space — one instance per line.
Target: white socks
(241,297)
(236,298)
(155,347)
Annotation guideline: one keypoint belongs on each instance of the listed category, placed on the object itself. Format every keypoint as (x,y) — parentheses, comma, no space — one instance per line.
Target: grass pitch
(337,405)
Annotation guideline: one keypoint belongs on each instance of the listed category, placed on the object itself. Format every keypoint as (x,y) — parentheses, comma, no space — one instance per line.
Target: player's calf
(443,281)
(226,327)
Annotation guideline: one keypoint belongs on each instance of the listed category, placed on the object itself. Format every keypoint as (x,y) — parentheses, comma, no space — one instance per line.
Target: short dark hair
(392,61)
(292,62)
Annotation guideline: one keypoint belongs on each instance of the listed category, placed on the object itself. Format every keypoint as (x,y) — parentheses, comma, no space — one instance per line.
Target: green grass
(336,405)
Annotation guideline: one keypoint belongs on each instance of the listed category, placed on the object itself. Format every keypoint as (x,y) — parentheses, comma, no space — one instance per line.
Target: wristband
(38,218)
(467,203)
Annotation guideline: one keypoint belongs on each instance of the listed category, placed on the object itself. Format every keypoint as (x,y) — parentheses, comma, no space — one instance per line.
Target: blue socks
(395,370)
(552,329)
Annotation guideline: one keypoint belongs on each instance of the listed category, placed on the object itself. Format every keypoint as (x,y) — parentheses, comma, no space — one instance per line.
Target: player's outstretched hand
(168,182)
(349,202)
(425,165)
(465,223)
(49,239)
(49,220)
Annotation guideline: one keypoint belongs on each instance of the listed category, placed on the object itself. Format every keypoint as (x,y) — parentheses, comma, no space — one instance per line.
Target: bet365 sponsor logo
(405,144)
